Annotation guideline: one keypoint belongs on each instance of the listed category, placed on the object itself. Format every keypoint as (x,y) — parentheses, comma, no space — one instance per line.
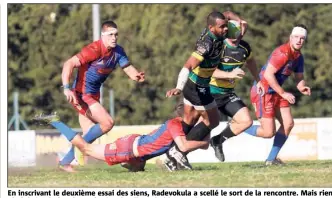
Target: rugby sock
(198,132)
(252,130)
(279,140)
(64,129)
(226,134)
(93,133)
(69,134)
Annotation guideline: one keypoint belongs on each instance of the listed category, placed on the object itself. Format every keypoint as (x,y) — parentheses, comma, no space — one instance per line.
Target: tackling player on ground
(132,150)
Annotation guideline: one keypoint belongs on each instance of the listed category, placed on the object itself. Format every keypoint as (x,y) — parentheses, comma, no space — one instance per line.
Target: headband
(109,32)
(299,31)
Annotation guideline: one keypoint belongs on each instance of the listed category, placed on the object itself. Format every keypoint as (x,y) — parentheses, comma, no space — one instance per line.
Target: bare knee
(266,132)
(246,123)
(107,125)
(288,127)
(205,146)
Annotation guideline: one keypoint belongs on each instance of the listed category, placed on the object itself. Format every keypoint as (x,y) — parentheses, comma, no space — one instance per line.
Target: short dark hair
(301,25)
(107,24)
(179,109)
(213,16)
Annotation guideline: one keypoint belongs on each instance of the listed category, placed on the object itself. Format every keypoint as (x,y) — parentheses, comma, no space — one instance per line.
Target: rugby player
(94,63)
(132,150)
(199,68)
(275,103)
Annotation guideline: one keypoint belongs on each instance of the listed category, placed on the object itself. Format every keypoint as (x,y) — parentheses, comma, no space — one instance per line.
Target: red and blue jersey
(159,141)
(286,62)
(97,62)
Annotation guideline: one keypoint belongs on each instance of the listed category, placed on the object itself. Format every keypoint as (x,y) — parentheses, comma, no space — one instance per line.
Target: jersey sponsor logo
(200,50)
(104,70)
(234,98)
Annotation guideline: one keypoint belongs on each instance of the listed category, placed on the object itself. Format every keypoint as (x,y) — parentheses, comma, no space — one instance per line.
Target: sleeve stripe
(196,55)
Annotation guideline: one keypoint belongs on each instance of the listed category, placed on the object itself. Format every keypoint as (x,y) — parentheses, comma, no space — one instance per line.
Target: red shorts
(266,105)
(84,101)
(121,150)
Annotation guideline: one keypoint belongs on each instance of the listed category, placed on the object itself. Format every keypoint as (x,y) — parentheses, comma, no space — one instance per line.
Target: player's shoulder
(204,43)
(119,49)
(244,44)
(282,51)
(175,122)
(204,38)
(93,46)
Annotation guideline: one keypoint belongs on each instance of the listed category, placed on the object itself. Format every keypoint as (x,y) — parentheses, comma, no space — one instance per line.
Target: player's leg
(96,151)
(240,122)
(286,121)
(85,124)
(265,111)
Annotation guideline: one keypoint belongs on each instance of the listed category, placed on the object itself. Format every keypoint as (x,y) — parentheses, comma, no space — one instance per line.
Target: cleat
(46,119)
(67,168)
(180,167)
(275,162)
(169,163)
(218,152)
(79,156)
(179,158)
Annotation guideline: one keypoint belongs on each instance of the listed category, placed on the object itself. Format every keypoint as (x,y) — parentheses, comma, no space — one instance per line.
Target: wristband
(66,86)
(182,79)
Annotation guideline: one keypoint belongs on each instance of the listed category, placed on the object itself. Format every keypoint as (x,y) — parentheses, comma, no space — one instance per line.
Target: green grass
(250,174)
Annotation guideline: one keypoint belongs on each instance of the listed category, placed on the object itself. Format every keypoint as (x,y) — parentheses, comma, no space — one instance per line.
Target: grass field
(249,174)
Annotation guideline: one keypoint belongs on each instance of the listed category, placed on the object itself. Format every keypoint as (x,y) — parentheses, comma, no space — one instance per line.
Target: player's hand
(140,77)
(305,90)
(70,95)
(173,92)
(289,97)
(260,88)
(244,27)
(237,73)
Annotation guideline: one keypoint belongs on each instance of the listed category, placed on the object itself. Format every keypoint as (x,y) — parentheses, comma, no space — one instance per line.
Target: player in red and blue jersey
(95,62)
(133,149)
(275,103)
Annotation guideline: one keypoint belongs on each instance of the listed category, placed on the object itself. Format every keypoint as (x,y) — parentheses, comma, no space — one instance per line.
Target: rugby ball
(234,29)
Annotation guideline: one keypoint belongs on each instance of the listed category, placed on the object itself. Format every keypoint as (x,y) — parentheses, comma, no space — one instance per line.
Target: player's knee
(205,146)
(107,125)
(268,133)
(246,122)
(289,126)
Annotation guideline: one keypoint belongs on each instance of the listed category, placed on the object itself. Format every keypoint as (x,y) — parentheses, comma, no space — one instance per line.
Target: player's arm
(128,68)
(252,67)
(86,55)
(193,61)
(188,145)
(68,68)
(301,84)
(276,62)
(202,49)
(133,74)
(235,73)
